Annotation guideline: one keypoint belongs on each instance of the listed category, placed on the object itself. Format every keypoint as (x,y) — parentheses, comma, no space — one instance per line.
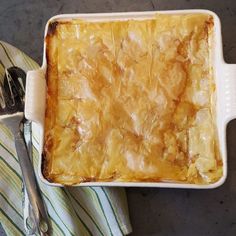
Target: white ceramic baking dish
(225,76)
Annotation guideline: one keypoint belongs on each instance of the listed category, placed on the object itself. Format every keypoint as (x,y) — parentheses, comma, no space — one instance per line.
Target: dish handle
(228,96)
(35,96)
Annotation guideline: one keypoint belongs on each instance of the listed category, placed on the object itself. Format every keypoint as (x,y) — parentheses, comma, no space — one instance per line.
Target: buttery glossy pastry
(131,101)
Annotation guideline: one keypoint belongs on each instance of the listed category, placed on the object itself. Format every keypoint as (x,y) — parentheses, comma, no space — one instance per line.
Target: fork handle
(28,215)
(31,185)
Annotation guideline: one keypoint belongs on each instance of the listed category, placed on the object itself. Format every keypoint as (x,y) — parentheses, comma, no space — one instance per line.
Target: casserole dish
(225,102)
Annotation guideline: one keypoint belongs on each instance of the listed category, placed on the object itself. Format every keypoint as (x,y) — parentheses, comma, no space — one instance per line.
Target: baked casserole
(131,100)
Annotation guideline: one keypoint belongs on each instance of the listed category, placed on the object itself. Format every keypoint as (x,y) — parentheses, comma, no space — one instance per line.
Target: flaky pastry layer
(131,101)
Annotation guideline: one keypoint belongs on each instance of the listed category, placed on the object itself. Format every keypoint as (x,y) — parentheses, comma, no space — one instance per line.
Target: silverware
(28,215)
(12,115)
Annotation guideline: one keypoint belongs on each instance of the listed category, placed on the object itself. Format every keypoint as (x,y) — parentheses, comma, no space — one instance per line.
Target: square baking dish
(224,74)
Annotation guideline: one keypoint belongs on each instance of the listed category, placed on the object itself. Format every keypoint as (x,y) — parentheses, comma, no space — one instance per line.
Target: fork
(12,115)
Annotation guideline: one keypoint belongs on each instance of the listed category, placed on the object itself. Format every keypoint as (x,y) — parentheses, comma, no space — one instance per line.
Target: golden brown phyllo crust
(131,101)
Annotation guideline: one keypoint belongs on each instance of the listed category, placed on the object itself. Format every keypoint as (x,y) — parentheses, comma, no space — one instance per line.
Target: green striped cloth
(73,211)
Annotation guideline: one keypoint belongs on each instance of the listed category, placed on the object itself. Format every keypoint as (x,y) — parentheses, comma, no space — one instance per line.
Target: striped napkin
(72,210)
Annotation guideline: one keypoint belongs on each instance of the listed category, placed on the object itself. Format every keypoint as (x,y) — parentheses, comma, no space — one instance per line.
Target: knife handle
(31,185)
